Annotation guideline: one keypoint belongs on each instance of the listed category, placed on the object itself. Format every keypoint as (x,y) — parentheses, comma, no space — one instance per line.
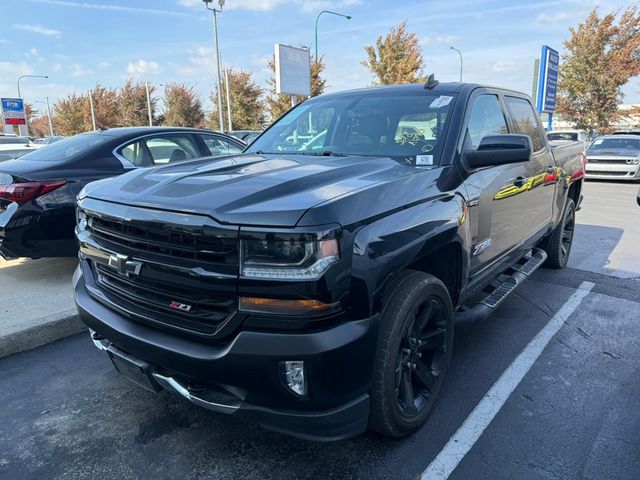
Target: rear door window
(171,149)
(219,146)
(525,120)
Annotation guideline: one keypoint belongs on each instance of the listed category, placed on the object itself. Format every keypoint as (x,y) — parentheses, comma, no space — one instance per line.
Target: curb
(48,331)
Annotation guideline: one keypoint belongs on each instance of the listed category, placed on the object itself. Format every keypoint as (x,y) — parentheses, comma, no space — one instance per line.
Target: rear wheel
(558,245)
(415,344)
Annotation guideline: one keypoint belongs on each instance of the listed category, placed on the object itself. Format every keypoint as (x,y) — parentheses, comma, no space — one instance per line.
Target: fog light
(294,376)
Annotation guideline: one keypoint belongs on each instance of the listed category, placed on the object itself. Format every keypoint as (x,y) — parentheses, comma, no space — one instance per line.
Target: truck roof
(441,88)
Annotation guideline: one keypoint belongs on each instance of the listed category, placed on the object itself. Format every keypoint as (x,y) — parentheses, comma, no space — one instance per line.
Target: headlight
(81,219)
(287,256)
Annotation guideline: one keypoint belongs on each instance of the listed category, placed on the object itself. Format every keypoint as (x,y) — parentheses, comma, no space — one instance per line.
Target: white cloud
(439,40)
(4,41)
(49,32)
(56,67)
(504,66)
(14,70)
(80,71)
(117,8)
(34,55)
(266,5)
(103,65)
(548,18)
(141,66)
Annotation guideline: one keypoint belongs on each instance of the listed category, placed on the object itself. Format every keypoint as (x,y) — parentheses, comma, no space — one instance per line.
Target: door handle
(519,182)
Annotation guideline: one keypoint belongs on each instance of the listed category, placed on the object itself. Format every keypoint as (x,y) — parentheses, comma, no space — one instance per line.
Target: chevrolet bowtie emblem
(124,265)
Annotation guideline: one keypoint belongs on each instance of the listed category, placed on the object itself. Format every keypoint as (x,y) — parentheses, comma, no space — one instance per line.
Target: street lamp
(31,76)
(348,17)
(215,29)
(48,115)
(459,53)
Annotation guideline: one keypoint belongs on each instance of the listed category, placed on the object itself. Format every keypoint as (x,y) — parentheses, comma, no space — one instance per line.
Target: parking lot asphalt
(67,414)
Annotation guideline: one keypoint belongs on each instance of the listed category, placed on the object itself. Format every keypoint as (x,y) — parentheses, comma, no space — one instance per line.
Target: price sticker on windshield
(424,160)
(441,101)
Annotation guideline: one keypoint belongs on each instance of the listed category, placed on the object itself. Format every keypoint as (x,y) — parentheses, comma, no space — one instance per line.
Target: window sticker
(441,101)
(424,160)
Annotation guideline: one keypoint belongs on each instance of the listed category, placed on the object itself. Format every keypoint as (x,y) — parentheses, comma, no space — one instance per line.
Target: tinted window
(562,136)
(486,118)
(219,146)
(12,140)
(67,148)
(406,126)
(525,121)
(616,143)
(171,149)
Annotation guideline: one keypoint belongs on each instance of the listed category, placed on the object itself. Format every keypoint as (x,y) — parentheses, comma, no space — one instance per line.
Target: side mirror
(499,150)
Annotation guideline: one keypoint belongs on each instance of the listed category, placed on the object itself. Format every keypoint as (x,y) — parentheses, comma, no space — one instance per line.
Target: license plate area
(133,369)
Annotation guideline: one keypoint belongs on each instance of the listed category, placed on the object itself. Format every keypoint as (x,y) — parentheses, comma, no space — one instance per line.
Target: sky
(79,43)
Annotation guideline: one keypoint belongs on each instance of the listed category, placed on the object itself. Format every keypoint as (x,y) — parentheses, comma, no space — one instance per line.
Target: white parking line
(481,416)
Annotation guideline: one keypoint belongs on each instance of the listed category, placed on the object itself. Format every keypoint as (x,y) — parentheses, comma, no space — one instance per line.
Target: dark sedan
(38,191)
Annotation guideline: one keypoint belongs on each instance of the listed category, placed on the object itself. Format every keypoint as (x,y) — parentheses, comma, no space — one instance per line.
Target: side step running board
(488,304)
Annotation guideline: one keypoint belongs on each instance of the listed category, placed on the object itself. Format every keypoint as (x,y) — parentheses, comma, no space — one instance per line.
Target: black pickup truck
(313,281)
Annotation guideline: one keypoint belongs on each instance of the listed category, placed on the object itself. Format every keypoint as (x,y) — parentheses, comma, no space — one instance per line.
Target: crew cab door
(497,206)
(541,176)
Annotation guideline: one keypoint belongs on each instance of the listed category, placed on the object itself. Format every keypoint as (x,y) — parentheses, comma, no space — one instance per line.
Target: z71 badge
(481,247)
(180,306)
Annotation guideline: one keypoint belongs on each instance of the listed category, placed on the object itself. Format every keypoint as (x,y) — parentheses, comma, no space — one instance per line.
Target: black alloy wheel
(415,343)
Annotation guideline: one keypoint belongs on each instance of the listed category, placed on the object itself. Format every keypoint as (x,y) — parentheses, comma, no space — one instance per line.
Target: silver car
(614,157)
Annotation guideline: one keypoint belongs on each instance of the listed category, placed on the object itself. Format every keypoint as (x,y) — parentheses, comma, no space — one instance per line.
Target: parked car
(38,190)
(12,146)
(614,157)
(314,285)
(247,136)
(47,140)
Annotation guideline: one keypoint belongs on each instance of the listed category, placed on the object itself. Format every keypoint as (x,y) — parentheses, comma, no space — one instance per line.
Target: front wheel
(558,245)
(415,344)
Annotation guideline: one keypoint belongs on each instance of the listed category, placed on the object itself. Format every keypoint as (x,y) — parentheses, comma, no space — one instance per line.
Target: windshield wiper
(323,154)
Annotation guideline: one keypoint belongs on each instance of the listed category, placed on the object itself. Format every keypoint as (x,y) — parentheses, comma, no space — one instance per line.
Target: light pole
(146,86)
(30,76)
(459,53)
(215,30)
(348,17)
(48,115)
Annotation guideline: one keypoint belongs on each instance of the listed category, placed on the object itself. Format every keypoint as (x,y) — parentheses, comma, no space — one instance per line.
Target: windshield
(563,136)
(67,148)
(13,140)
(624,145)
(407,127)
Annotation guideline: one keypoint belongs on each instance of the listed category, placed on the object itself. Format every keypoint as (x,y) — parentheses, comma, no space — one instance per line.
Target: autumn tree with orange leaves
(600,57)
(395,59)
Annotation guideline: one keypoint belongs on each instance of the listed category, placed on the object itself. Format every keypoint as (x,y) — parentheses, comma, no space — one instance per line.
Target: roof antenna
(431,82)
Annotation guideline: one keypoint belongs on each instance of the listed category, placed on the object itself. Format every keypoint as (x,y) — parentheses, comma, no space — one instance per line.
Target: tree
(599,58)
(278,104)
(182,107)
(396,59)
(39,126)
(132,102)
(105,106)
(247,111)
(69,115)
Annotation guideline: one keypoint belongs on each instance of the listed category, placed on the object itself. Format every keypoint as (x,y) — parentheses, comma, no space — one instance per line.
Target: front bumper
(244,375)
(606,171)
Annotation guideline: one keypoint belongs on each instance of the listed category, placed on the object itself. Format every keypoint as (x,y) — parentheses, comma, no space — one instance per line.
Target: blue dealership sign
(13,111)
(548,80)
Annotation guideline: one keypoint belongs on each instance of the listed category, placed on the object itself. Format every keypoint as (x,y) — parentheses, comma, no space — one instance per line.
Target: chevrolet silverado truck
(313,281)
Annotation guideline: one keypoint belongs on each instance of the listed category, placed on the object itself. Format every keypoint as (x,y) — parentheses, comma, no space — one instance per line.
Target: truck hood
(249,189)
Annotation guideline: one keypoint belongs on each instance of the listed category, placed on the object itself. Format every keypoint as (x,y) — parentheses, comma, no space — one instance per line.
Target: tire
(558,244)
(415,344)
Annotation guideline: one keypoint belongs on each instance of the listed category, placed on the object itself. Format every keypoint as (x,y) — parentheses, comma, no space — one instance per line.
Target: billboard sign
(547,80)
(293,70)
(13,111)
